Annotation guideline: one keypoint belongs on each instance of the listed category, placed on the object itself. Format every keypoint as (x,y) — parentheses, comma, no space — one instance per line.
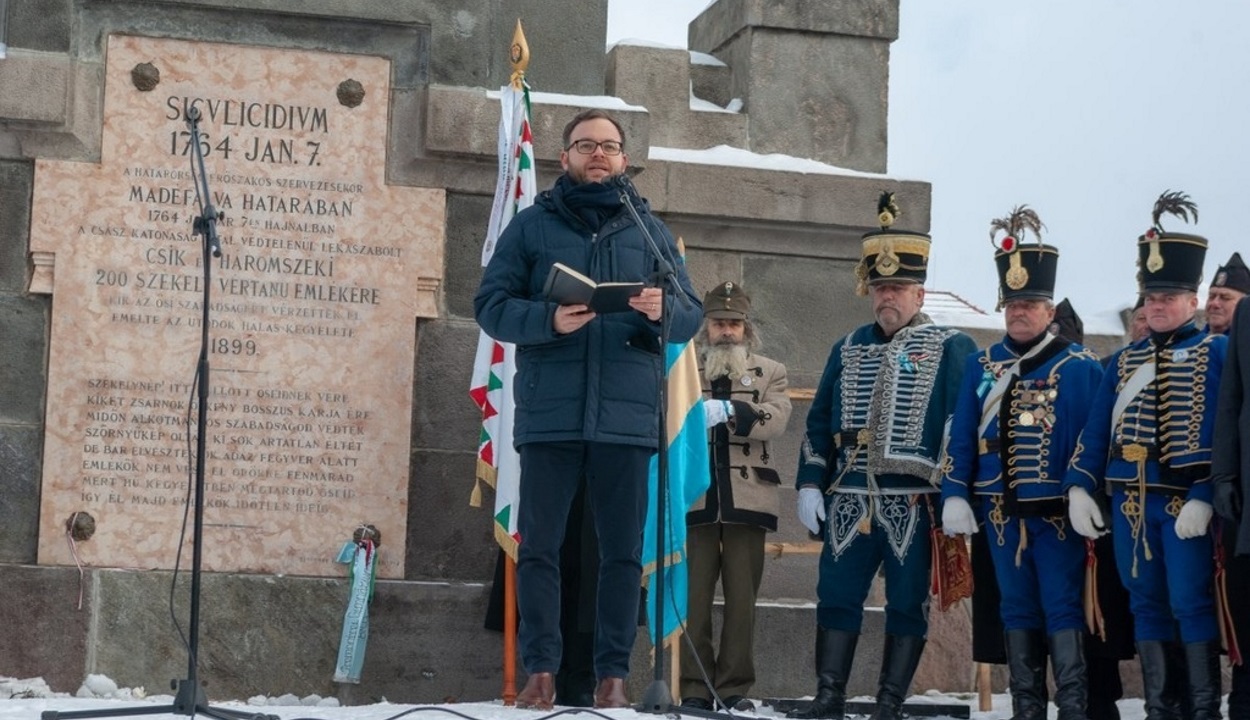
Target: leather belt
(852,438)
(1134,452)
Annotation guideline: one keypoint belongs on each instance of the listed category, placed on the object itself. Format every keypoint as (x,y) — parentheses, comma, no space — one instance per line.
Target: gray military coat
(744,472)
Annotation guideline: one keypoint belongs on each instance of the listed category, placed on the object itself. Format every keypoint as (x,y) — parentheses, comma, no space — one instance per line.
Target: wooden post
(509,630)
(985,693)
(674,664)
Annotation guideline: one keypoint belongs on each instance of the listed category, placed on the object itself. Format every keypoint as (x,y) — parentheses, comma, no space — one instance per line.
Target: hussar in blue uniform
(867,476)
(1021,406)
(1148,444)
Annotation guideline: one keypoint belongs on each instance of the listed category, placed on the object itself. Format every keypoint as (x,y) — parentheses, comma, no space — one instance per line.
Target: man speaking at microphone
(587,389)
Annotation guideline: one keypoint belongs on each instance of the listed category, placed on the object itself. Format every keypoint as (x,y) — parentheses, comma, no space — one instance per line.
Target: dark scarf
(591,204)
(1021,348)
(1171,337)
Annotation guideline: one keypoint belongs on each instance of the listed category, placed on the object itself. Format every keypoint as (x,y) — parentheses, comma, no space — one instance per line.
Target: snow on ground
(28,699)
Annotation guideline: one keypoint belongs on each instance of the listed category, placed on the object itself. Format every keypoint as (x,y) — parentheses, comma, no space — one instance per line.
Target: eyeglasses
(587,147)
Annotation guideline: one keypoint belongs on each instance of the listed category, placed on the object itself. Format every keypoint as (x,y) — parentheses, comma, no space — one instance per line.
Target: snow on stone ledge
(698,58)
(604,102)
(737,157)
(636,42)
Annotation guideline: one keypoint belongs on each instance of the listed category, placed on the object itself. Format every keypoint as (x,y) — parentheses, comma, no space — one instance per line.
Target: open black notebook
(566,286)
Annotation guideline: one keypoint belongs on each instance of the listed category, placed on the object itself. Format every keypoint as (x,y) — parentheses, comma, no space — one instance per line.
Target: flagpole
(519,56)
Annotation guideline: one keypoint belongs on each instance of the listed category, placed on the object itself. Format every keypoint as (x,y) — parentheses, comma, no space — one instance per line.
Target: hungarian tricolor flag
(495,365)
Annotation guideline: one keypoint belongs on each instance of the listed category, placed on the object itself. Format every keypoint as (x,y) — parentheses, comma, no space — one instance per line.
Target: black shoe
(737,703)
(696,703)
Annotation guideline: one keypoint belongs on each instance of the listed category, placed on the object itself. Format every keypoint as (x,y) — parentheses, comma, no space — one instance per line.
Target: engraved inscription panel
(312,310)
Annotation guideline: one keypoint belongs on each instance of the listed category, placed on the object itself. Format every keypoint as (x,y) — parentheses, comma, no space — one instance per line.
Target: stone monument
(323,270)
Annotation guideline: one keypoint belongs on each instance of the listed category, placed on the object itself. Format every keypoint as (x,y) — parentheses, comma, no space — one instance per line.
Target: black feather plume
(1174,203)
(1021,219)
(887,210)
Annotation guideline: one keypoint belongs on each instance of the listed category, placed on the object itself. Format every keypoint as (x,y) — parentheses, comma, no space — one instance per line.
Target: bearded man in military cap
(868,468)
(746,406)
(1022,404)
(1148,444)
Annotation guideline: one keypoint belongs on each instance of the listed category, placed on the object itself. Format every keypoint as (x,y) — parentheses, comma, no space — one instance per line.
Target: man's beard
(725,360)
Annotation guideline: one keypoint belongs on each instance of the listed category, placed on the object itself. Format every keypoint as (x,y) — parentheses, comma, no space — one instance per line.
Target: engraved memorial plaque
(324,270)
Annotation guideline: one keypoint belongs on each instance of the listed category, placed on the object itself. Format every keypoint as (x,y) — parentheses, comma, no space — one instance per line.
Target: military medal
(746,380)
(1180,355)
(1027,419)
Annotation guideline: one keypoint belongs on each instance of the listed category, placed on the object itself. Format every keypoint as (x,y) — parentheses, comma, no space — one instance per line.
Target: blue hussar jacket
(1160,439)
(599,383)
(1031,431)
(877,420)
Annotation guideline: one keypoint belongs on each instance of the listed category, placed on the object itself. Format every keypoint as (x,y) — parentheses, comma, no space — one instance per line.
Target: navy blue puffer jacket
(598,383)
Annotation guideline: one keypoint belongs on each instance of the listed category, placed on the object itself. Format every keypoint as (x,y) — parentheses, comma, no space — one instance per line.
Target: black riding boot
(1176,697)
(1204,679)
(1026,663)
(1067,664)
(1153,656)
(898,665)
(835,649)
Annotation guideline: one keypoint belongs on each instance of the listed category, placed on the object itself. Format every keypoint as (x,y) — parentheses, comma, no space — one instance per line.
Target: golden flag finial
(519,55)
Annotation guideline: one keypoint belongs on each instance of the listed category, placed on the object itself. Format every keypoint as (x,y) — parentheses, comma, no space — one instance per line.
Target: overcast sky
(1084,110)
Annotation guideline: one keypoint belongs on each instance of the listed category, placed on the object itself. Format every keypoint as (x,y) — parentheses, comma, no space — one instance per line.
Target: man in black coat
(1230,470)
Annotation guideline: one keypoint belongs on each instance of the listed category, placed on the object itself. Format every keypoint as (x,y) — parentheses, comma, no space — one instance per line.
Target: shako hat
(1233,275)
(1170,260)
(727,301)
(1026,271)
(891,255)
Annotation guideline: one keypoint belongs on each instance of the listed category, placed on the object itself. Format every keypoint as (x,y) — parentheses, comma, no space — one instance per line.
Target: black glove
(1227,500)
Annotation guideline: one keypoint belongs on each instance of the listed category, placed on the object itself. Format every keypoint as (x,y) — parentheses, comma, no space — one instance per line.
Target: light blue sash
(363,559)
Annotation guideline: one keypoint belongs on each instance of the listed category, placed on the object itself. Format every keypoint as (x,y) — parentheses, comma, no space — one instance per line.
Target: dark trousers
(616,487)
(1237,582)
(846,577)
(734,554)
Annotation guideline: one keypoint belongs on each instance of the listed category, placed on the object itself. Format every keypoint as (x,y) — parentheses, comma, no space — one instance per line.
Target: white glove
(811,508)
(1193,520)
(716,412)
(957,517)
(1084,513)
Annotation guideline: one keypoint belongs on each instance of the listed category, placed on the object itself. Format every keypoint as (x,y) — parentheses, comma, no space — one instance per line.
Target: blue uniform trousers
(616,486)
(1171,586)
(1042,591)
(846,577)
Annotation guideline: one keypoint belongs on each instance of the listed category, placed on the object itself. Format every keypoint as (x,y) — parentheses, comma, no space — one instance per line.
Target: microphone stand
(190,698)
(658,699)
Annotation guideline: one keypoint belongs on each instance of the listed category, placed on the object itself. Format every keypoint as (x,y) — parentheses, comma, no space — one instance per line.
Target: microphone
(626,186)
